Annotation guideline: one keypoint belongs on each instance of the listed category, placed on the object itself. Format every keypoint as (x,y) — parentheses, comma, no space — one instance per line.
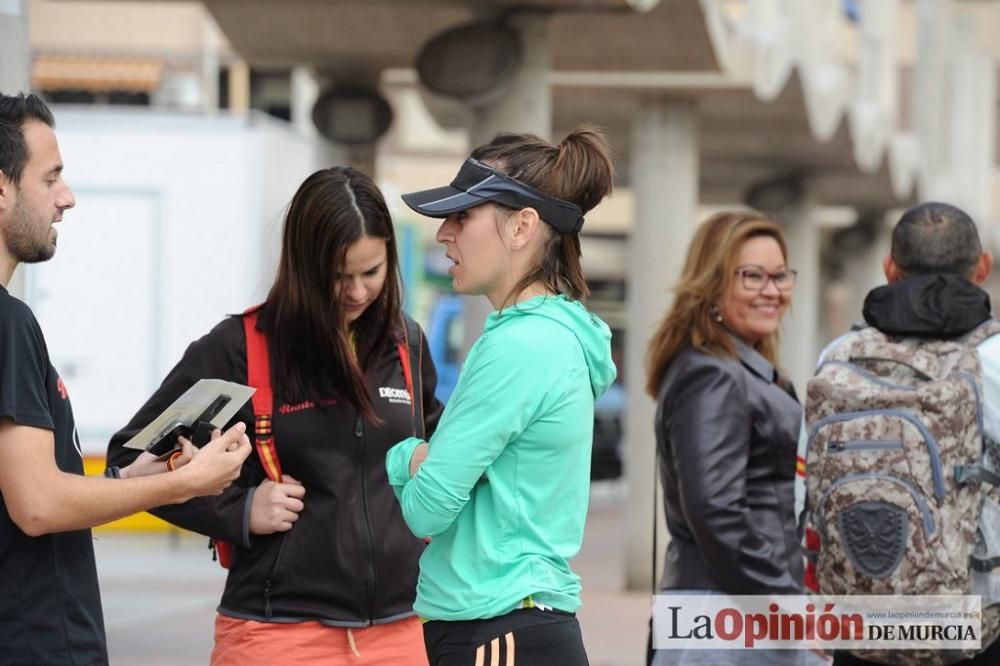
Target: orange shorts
(242,642)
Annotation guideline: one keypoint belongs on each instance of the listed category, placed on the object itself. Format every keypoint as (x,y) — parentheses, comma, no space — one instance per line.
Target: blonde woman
(727,424)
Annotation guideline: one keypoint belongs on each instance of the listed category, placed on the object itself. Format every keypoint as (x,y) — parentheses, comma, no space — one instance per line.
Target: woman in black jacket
(727,424)
(323,569)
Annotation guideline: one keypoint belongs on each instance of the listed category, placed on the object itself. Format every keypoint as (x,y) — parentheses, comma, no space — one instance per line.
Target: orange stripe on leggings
(480,655)
(510,648)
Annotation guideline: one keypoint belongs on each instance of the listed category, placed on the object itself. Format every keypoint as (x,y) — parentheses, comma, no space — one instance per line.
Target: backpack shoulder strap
(411,358)
(839,349)
(259,377)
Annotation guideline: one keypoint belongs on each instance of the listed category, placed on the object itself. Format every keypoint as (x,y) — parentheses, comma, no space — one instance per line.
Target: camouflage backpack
(899,474)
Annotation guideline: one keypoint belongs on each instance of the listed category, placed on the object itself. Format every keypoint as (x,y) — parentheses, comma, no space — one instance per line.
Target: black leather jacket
(726,434)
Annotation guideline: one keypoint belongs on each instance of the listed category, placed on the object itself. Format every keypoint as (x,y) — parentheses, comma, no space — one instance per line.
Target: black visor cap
(476,184)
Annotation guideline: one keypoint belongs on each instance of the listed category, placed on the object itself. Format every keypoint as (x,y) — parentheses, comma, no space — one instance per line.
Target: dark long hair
(313,356)
(578,170)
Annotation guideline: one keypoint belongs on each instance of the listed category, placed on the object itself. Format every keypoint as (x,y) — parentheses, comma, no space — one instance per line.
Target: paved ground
(160,594)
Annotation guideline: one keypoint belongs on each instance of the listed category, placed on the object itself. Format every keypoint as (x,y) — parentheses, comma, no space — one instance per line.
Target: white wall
(177,223)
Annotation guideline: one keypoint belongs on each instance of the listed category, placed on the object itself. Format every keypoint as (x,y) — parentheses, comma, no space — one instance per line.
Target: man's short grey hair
(936,238)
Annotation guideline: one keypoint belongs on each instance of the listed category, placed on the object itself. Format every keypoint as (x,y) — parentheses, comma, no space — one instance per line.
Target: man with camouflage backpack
(903,420)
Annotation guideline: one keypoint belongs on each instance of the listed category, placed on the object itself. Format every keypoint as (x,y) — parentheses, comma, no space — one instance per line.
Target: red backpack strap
(411,354)
(259,377)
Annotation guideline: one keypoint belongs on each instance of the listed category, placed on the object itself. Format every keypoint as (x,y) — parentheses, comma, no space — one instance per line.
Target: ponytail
(583,173)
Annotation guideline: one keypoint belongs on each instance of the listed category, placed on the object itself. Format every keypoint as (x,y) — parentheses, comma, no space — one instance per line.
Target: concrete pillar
(15,75)
(929,104)
(664,170)
(527,107)
(801,344)
(15,54)
(954,110)
(361,157)
(209,65)
(239,87)
(863,271)
(306,86)
(971,127)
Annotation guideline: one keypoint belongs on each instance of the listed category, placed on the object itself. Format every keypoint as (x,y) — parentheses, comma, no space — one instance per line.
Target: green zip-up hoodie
(504,489)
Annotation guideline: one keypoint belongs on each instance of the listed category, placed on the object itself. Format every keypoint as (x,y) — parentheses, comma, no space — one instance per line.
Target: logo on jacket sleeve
(394,395)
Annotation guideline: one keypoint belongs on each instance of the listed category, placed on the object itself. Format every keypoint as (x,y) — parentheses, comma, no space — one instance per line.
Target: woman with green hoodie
(502,486)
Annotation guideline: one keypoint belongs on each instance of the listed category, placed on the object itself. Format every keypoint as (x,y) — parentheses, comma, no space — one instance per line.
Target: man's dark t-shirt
(50,606)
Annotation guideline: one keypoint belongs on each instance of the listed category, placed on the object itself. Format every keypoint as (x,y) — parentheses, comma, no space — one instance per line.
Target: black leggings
(535,637)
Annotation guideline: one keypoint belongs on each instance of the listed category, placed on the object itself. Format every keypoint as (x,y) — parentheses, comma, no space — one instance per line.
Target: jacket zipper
(359,432)
(270,577)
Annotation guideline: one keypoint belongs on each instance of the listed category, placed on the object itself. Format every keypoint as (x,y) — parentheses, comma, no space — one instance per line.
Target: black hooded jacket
(927,306)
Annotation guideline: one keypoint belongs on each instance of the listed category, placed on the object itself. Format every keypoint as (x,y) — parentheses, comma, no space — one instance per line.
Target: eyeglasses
(755,278)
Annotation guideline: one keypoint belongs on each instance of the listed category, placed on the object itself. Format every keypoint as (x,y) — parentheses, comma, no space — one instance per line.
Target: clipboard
(207,405)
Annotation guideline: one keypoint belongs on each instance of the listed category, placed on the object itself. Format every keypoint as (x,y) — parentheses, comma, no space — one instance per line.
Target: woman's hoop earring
(714,311)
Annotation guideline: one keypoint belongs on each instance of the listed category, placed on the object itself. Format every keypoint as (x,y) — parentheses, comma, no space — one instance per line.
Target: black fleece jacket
(350,559)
